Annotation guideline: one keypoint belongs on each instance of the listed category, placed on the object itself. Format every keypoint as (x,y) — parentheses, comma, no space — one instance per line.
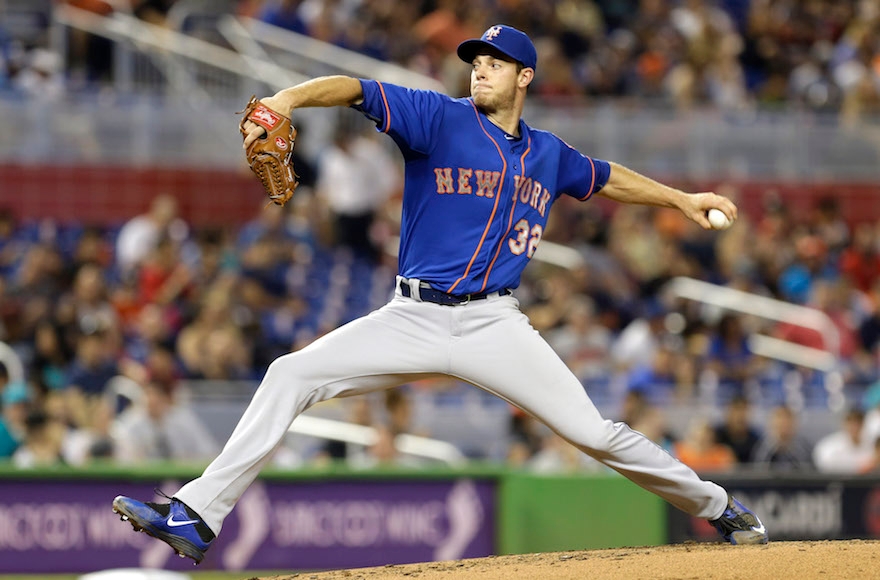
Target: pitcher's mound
(827,560)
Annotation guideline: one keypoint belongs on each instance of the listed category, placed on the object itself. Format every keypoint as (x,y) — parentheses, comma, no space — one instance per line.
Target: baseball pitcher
(479,187)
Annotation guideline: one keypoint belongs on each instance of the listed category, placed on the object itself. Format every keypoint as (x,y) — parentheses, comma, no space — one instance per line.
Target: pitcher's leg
(365,355)
(510,359)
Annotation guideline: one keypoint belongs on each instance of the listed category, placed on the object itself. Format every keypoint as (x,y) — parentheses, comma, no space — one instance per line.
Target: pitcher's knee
(289,371)
(593,439)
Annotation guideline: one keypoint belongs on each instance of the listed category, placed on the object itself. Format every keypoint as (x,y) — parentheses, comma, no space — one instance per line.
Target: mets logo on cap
(492,33)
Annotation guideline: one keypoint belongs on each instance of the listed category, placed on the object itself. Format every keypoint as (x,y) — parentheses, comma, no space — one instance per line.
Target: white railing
(766,308)
(366,436)
(121,387)
(329,55)
(10,359)
(168,49)
(825,360)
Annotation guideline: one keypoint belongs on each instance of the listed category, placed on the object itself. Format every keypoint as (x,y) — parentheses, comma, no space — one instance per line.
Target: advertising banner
(796,509)
(51,526)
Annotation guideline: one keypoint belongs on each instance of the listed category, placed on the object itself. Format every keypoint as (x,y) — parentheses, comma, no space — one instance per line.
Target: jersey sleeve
(581,176)
(411,117)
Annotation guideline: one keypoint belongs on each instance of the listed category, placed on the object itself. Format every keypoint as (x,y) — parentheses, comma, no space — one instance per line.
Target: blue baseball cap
(505,39)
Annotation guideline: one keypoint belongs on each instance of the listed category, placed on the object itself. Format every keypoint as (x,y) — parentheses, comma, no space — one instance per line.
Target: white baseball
(718,220)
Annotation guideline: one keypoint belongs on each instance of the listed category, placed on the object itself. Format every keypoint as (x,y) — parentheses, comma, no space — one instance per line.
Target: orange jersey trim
(522,164)
(494,207)
(387,126)
(592,183)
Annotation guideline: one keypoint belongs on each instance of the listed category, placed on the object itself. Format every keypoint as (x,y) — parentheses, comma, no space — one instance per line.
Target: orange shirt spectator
(701,452)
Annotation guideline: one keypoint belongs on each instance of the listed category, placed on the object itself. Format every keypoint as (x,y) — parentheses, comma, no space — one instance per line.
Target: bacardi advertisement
(796,509)
(56,526)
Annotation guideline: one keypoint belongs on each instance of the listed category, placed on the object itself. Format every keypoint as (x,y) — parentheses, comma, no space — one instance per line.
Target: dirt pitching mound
(828,560)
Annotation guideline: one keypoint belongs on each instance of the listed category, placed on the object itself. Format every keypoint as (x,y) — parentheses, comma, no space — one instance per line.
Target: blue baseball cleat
(739,525)
(173,523)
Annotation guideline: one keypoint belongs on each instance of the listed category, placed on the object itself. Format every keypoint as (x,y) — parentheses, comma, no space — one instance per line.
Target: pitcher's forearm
(627,186)
(330,91)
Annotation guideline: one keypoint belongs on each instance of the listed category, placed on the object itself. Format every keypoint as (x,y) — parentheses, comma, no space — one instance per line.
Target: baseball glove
(271,156)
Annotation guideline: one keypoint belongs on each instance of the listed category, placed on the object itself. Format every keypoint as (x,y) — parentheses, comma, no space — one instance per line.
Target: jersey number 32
(527,238)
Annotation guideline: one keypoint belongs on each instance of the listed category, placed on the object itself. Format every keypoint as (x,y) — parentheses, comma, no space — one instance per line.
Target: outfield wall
(60,521)
(109,195)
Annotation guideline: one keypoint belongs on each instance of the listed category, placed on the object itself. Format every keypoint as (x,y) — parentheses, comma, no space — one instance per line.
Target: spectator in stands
(93,365)
(8,66)
(12,247)
(265,262)
(729,358)
(141,234)
(860,260)
(582,342)
(781,447)
(161,428)
(212,258)
(736,430)
(828,221)
(213,345)
(553,301)
(39,278)
(15,402)
(51,357)
(869,325)
(277,225)
(652,423)
(633,406)
(153,11)
(359,412)
(382,453)
(41,446)
(90,305)
(153,331)
(356,177)
(90,56)
(284,13)
(638,343)
(557,455)
(847,450)
(700,451)
(163,277)
(43,76)
(872,466)
(526,438)
(670,376)
(399,410)
(153,328)
(772,249)
(90,441)
(809,266)
(834,297)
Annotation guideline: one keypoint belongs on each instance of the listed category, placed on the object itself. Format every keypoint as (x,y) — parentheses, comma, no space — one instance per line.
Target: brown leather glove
(270,157)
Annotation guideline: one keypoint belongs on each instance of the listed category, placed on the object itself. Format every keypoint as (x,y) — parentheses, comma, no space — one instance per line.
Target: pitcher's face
(494,82)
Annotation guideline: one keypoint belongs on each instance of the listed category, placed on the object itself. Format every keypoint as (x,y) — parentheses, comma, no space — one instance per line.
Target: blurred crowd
(111,322)
(731,54)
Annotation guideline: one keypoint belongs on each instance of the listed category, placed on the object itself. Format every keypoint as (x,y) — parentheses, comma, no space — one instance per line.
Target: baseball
(718,220)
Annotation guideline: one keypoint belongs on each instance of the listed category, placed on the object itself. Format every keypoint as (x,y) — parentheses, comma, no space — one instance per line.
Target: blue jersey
(475,200)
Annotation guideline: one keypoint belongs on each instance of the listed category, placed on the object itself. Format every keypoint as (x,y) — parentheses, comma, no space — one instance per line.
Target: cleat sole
(182,547)
(742,538)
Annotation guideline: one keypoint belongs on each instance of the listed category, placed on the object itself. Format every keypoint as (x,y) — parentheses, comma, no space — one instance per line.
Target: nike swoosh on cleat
(174,523)
(759,529)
